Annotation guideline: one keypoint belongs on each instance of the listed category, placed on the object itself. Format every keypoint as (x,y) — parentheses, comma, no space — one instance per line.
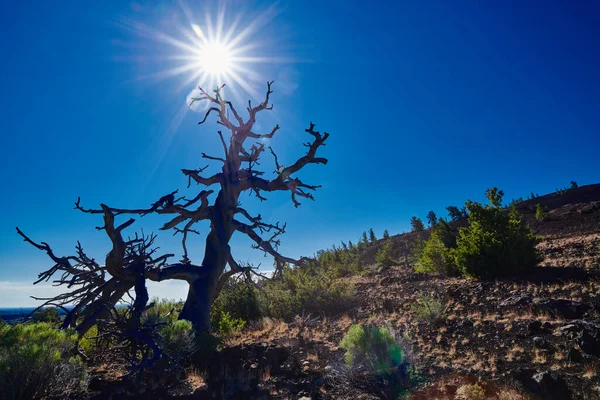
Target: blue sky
(428,104)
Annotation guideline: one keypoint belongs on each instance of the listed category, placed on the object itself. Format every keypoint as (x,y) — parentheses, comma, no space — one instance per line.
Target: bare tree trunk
(201,293)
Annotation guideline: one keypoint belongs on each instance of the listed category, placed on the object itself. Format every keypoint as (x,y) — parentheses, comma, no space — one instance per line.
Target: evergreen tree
(372,237)
(417,224)
(365,239)
(386,234)
(431,219)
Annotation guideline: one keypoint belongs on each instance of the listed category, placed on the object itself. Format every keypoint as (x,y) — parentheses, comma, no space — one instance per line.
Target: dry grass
(540,357)
(195,379)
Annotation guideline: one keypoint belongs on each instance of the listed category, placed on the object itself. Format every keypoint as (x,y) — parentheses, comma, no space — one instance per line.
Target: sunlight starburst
(215,50)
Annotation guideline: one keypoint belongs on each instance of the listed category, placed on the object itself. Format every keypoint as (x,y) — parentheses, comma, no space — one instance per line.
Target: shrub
(371,347)
(382,256)
(239,299)
(177,339)
(35,362)
(435,257)
(539,212)
(470,392)
(47,314)
(306,289)
(429,309)
(495,243)
(228,325)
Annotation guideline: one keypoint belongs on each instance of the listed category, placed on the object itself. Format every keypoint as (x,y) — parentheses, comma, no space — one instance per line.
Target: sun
(212,50)
(215,58)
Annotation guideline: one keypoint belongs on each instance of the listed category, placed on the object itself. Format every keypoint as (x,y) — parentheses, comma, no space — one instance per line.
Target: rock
(465,323)
(546,385)
(305,363)
(516,301)
(575,355)
(594,205)
(563,308)
(590,343)
(96,384)
(535,327)
(543,344)
(552,386)
(328,369)
(570,331)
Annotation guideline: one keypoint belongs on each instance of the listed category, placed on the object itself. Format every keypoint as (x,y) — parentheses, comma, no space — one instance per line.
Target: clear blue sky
(428,103)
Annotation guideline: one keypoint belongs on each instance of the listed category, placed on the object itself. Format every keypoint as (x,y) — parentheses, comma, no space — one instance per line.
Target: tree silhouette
(372,237)
(95,288)
(431,219)
(417,224)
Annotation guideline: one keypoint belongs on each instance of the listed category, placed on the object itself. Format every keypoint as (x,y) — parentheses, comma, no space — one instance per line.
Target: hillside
(510,339)
(507,332)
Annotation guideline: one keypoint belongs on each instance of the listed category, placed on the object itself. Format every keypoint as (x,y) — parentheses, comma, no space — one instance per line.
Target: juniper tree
(94,288)
(417,224)
(431,219)
(372,237)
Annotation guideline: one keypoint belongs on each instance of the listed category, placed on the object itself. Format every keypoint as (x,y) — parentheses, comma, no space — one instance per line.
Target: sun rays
(212,50)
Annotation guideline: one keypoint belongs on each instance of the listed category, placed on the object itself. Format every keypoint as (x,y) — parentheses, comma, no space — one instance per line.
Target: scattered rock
(552,386)
(516,301)
(543,344)
(328,369)
(562,308)
(547,385)
(575,355)
(536,327)
(96,384)
(590,342)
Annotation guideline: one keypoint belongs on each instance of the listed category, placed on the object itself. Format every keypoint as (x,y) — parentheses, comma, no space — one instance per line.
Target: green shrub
(47,314)
(495,243)
(228,325)
(539,212)
(429,309)
(177,339)
(35,362)
(383,256)
(306,289)
(372,348)
(240,300)
(435,257)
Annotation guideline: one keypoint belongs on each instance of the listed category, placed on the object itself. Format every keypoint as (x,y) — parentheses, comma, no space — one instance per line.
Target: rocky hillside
(539,334)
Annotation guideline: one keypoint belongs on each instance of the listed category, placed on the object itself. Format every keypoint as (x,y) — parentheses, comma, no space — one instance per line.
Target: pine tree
(372,237)
(386,234)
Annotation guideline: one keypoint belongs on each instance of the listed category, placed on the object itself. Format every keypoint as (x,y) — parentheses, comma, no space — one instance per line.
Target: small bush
(177,339)
(495,243)
(239,300)
(540,215)
(383,257)
(228,325)
(429,309)
(372,348)
(47,314)
(306,290)
(435,257)
(470,392)
(35,362)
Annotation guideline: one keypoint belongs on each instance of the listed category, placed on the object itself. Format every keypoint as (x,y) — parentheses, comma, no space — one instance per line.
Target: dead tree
(97,288)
